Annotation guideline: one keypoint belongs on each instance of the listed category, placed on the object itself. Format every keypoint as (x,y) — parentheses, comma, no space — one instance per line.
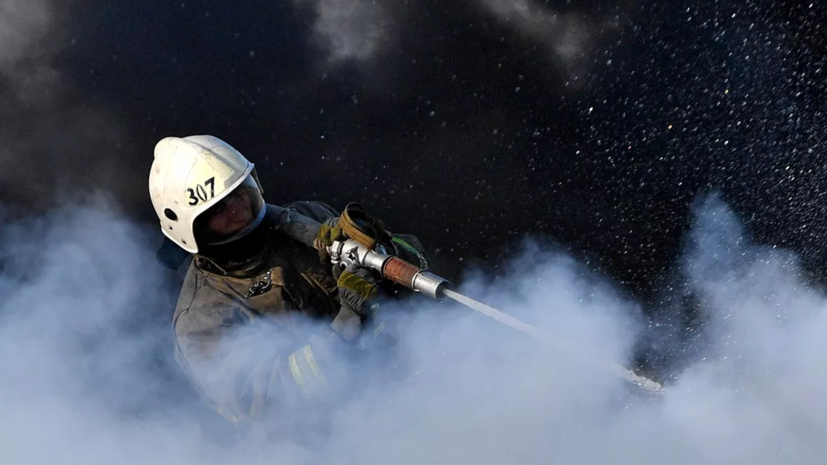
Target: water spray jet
(351,252)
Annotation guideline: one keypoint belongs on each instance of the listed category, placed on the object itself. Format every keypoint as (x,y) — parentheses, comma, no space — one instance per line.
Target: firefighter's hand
(328,232)
(357,287)
(357,290)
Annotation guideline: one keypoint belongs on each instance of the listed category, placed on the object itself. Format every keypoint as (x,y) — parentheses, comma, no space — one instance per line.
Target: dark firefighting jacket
(251,339)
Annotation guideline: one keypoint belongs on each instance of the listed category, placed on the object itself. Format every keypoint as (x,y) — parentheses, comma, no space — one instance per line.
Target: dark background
(462,129)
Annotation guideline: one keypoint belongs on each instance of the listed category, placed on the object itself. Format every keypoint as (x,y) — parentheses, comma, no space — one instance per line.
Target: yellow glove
(357,286)
(328,232)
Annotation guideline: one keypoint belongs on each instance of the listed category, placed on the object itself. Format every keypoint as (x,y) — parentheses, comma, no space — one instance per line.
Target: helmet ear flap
(258,183)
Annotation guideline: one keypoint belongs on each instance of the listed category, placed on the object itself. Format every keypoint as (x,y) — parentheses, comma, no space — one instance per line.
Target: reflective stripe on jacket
(242,339)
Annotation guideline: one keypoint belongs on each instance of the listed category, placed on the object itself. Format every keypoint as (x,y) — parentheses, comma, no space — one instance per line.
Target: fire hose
(348,252)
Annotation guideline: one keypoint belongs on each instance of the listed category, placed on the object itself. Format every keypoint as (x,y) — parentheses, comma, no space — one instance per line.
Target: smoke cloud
(568,37)
(361,30)
(85,342)
(351,30)
(54,144)
(25,60)
(23,24)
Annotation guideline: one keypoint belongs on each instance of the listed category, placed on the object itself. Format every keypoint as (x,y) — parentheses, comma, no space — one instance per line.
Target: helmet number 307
(200,193)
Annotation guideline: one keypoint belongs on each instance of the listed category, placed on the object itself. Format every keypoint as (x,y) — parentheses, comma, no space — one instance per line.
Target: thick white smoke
(79,345)
(84,315)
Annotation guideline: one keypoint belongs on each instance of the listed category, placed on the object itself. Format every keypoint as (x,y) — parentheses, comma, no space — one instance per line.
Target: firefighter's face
(232,215)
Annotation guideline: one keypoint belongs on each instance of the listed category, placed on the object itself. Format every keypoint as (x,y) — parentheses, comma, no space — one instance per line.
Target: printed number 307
(200,193)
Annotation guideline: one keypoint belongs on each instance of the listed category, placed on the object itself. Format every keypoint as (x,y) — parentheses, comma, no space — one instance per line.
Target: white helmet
(191,174)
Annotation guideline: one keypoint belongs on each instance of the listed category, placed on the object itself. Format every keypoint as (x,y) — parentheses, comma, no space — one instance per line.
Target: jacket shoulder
(299,220)
(199,304)
(315,209)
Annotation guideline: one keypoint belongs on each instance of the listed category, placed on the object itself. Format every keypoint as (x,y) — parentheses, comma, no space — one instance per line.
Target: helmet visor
(233,217)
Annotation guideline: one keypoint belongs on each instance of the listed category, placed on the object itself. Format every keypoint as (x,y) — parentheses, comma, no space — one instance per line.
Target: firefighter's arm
(243,367)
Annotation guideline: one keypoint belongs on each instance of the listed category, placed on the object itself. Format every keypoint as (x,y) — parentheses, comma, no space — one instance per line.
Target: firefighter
(264,327)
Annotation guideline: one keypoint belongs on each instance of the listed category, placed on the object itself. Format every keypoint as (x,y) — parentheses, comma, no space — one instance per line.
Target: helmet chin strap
(262,211)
